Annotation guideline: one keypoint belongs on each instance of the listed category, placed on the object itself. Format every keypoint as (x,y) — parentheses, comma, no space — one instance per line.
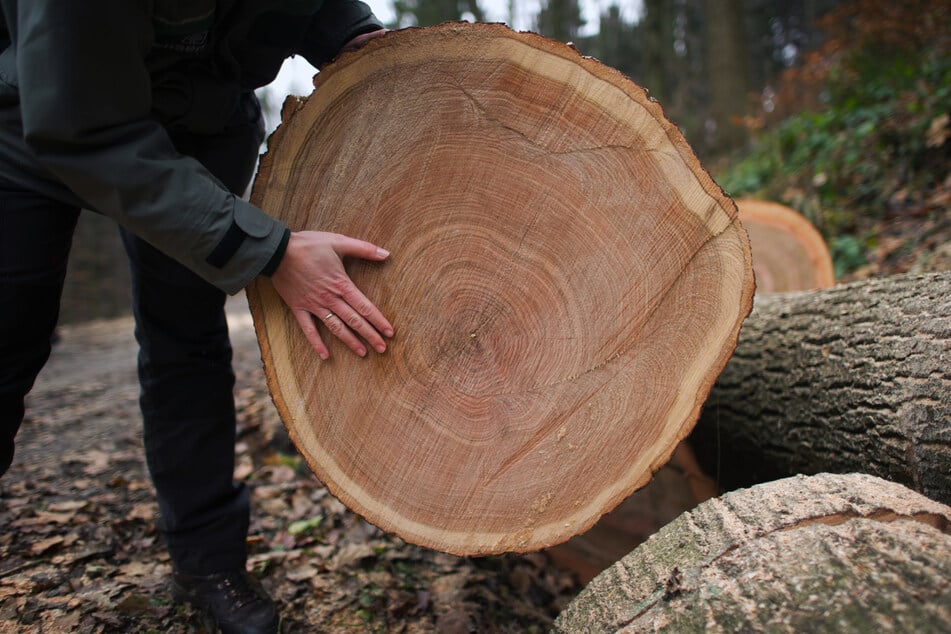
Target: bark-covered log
(676,488)
(853,378)
(826,553)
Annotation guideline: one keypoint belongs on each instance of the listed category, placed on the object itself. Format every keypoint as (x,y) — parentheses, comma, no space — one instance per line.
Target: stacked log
(853,378)
(789,254)
(567,283)
(844,553)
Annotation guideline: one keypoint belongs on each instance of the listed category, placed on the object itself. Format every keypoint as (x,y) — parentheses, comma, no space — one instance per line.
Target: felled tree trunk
(856,377)
(566,283)
(789,254)
(845,553)
(676,488)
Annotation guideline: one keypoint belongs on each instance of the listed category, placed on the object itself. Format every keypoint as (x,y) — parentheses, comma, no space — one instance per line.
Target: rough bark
(853,378)
(566,283)
(826,553)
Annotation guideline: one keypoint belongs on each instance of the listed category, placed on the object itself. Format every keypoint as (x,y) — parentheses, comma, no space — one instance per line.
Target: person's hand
(362,39)
(313,283)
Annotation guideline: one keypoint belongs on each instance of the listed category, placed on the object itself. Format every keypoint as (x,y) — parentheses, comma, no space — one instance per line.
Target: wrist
(278,255)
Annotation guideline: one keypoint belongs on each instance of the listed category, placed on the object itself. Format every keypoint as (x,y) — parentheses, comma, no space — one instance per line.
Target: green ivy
(841,165)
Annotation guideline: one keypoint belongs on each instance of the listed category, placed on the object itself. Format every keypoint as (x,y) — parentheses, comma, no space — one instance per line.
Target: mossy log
(826,553)
(852,378)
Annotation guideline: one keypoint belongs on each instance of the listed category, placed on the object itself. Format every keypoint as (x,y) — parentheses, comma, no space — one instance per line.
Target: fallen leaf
(137,569)
(244,468)
(133,605)
(109,619)
(60,621)
(349,554)
(97,461)
(42,518)
(302,527)
(323,552)
(45,545)
(67,505)
(938,131)
(302,573)
(454,622)
(278,473)
(145,512)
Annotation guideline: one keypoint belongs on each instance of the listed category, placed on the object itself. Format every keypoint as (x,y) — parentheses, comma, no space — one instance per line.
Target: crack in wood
(534,143)
(934,520)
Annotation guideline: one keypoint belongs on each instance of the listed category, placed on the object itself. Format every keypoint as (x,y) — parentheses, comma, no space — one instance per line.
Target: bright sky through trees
(296,74)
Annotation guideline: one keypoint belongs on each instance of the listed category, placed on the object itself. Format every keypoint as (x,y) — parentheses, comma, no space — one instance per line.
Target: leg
(187,380)
(35,237)
(188,411)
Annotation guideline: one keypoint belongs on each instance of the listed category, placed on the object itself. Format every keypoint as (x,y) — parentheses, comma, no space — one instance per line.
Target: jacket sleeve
(336,23)
(85,97)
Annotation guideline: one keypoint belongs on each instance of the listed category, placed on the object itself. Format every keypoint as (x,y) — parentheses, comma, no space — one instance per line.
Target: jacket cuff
(275,260)
(337,22)
(245,249)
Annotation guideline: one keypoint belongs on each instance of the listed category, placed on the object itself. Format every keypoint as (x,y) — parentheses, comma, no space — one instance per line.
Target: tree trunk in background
(560,20)
(789,254)
(728,72)
(658,27)
(97,280)
(828,553)
(853,378)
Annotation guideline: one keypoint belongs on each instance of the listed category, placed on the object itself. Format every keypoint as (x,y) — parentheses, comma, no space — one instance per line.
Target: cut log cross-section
(566,283)
(789,254)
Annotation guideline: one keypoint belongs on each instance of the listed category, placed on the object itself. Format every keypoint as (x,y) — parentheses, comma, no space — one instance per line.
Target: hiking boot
(234,600)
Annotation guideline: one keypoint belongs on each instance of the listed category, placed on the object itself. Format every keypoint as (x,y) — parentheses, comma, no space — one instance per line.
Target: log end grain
(566,283)
(789,254)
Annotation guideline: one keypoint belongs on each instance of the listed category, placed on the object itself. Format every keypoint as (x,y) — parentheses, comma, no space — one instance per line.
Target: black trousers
(184,360)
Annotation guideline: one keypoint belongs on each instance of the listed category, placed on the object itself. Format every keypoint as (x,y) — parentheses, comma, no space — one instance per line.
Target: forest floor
(79,551)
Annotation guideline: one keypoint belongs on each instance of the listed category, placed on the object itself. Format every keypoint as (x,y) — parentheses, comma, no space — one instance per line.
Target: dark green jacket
(89,87)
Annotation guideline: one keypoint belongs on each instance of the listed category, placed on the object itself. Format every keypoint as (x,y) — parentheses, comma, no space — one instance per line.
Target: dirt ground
(79,551)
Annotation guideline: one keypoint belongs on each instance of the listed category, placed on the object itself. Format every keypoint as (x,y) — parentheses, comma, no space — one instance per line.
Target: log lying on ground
(566,283)
(789,254)
(842,553)
(857,377)
(676,488)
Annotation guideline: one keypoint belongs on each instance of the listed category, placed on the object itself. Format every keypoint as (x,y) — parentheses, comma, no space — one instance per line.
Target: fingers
(307,326)
(345,333)
(354,315)
(312,281)
(366,315)
(346,246)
